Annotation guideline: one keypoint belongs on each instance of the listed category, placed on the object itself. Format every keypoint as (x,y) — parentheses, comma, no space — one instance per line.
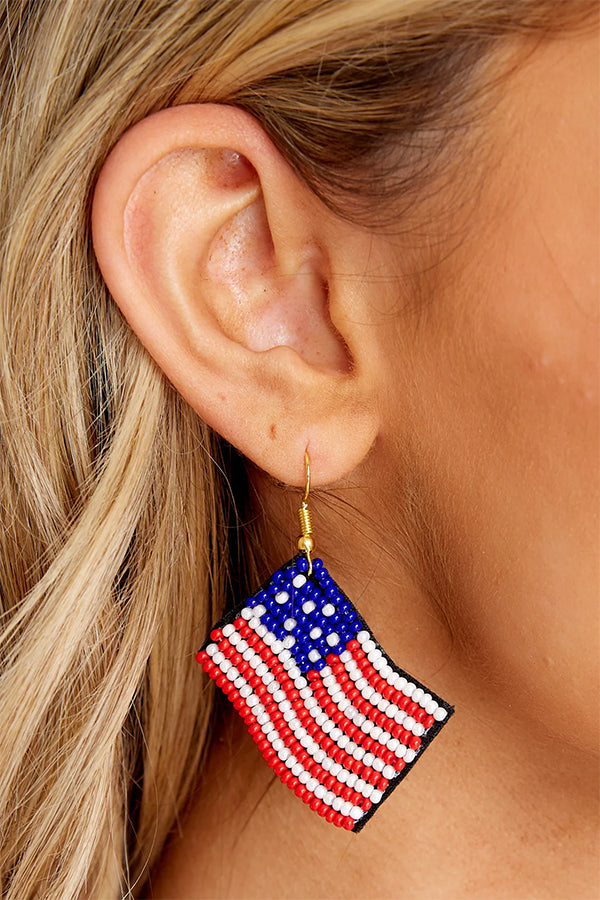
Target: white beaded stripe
(269,729)
(378,734)
(397,681)
(263,718)
(359,719)
(352,749)
(389,709)
(328,726)
(383,737)
(334,688)
(326,723)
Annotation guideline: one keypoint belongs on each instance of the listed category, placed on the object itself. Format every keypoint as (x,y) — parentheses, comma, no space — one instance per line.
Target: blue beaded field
(312,618)
(331,713)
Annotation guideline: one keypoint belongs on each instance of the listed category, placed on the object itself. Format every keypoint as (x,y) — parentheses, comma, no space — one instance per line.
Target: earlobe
(211,246)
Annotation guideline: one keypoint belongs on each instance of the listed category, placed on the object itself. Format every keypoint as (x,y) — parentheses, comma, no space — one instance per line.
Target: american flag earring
(335,718)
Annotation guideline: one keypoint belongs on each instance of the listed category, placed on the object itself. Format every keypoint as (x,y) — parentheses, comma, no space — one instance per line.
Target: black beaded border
(427,738)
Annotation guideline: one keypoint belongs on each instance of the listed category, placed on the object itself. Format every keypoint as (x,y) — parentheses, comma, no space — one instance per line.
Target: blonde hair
(120,539)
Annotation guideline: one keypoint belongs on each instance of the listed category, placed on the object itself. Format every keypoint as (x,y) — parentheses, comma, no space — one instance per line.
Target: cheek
(518,421)
(534,339)
(535,255)
(498,396)
(541,296)
(491,391)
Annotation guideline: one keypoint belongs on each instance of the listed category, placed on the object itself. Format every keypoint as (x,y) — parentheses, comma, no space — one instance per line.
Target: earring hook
(306,541)
(307,471)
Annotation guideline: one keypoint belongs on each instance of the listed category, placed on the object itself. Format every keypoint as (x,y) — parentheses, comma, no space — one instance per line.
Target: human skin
(473,549)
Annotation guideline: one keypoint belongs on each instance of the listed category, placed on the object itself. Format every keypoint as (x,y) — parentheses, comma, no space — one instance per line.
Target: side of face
(449,366)
(491,391)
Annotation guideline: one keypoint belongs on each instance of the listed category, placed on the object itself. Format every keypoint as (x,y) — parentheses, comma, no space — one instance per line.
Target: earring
(334,717)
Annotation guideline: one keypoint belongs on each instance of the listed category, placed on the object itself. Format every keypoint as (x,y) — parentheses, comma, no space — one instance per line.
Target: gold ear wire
(306,541)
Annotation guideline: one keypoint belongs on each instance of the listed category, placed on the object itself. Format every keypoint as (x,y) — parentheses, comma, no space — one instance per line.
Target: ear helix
(224,264)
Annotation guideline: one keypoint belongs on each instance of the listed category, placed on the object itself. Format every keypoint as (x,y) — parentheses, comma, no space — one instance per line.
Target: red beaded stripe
(364,706)
(338,755)
(281,727)
(269,754)
(359,737)
(307,721)
(287,685)
(337,717)
(360,703)
(345,683)
(378,683)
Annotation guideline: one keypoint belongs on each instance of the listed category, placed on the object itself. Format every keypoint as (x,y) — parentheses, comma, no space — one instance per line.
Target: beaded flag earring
(334,717)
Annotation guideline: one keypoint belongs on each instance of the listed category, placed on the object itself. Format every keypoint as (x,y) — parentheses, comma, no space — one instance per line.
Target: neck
(504,803)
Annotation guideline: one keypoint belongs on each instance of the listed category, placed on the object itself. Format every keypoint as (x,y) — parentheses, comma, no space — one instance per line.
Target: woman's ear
(223,262)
